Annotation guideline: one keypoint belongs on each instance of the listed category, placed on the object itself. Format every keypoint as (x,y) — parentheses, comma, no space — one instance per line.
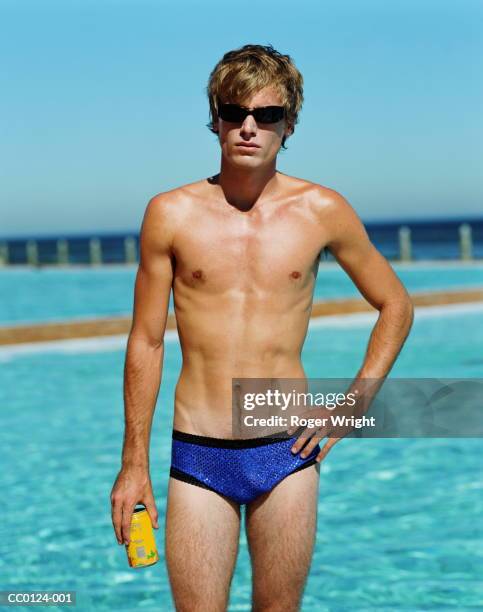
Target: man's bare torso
(243,283)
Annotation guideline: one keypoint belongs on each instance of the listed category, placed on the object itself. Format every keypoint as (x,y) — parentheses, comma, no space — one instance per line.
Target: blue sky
(103,104)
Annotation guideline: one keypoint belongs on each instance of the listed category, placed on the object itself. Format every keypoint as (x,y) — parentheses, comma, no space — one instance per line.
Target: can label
(141,550)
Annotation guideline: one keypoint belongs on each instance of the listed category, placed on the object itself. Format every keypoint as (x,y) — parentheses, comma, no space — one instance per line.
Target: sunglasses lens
(237,114)
(231,112)
(269,114)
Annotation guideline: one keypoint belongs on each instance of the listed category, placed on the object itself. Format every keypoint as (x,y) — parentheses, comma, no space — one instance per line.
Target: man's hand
(132,486)
(311,436)
(335,424)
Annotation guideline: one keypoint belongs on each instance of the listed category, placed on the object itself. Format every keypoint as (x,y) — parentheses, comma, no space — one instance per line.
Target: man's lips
(247,144)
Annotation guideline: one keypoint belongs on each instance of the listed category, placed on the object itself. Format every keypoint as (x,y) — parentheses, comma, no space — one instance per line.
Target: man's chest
(230,251)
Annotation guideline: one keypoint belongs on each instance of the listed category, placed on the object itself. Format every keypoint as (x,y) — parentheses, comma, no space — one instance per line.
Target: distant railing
(61,255)
(127,253)
(465,243)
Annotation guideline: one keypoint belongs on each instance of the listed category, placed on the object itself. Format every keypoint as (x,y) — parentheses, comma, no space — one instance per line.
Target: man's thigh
(202,534)
(281,527)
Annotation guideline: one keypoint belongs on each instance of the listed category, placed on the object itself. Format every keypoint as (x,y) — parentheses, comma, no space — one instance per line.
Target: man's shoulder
(177,196)
(336,215)
(321,198)
(332,212)
(328,200)
(174,203)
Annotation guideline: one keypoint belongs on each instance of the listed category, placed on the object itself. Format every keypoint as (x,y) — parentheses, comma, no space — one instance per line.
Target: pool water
(50,294)
(399,523)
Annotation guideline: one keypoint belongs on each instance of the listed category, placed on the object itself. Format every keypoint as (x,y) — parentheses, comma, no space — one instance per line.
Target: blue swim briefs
(238,469)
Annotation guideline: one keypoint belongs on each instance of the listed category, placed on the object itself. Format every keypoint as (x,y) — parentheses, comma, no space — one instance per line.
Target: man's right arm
(143,364)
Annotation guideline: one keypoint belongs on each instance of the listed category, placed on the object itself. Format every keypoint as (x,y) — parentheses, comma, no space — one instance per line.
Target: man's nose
(249,125)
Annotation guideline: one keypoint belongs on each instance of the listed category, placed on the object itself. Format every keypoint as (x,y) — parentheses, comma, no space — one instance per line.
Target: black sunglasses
(263,114)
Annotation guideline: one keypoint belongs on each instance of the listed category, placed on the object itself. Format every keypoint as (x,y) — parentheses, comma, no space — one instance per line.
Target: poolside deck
(110,326)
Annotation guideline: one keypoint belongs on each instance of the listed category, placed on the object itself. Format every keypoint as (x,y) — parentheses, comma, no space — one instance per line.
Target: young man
(241,252)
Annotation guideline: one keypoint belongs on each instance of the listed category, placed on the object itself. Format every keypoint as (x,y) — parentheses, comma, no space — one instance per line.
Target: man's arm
(376,280)
(145,347)
(347,240)
(143,365)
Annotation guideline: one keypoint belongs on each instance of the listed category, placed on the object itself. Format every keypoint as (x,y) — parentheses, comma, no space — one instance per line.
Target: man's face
(268,136)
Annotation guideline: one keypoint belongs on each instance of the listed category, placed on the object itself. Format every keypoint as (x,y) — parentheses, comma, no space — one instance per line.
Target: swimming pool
(399,520)
(51,294)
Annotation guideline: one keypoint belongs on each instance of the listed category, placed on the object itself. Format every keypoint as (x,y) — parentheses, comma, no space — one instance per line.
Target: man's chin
(245,161)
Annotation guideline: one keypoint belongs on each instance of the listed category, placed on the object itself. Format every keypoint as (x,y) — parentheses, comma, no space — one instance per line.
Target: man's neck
(242,188)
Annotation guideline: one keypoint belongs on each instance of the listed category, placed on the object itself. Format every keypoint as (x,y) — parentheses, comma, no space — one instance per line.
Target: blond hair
(245,71)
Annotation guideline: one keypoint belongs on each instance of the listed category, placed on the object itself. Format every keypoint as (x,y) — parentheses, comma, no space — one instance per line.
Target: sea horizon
(431,238)
(375,222)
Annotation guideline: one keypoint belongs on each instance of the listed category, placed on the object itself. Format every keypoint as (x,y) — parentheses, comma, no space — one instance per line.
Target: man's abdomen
(217,349)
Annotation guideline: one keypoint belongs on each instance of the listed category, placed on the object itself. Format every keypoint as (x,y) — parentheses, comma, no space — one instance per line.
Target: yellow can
(141,550)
